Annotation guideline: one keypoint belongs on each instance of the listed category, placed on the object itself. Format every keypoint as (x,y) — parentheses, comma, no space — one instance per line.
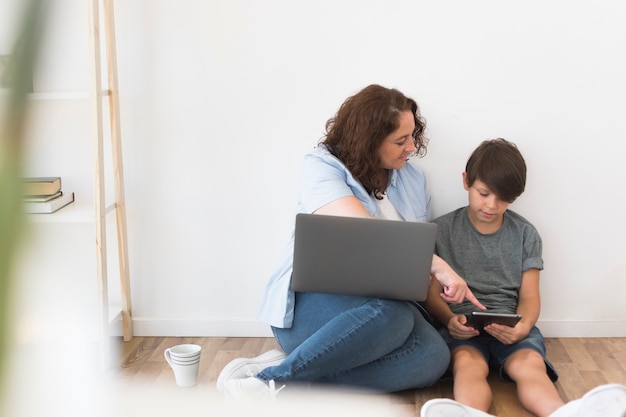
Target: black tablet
(479,319)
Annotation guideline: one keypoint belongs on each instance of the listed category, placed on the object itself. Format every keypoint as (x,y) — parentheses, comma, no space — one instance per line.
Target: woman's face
(397,147)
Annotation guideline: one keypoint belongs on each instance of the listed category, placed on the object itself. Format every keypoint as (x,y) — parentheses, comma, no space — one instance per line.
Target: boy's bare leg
(535,390)
(470,371)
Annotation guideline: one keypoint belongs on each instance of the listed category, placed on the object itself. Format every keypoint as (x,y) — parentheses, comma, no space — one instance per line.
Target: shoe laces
(272,389)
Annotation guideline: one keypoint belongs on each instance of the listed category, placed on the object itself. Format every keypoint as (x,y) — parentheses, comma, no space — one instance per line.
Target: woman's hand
(455,289)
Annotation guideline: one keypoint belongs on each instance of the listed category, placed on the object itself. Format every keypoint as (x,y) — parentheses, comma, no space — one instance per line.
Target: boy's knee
(523,362)
(468,359)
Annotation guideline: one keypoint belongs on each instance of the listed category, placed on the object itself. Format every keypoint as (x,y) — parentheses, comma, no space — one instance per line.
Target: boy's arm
(435,305)
(441,311)
(528,306)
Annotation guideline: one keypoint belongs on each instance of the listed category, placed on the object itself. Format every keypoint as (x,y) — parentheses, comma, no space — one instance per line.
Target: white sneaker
(246,367)
(250,388)
(445,407)
(603,401)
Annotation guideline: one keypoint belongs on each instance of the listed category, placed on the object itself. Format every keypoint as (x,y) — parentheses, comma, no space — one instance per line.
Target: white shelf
(60,95)
(80,211)
(57,95)
(64,95)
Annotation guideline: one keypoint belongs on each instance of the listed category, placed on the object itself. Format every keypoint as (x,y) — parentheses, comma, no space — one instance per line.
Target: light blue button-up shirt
(323,179)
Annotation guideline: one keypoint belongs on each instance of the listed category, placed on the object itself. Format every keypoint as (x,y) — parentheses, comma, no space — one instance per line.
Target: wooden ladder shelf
(97,95)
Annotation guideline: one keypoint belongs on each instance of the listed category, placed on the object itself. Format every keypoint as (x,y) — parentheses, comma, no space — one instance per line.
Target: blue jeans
(379,344)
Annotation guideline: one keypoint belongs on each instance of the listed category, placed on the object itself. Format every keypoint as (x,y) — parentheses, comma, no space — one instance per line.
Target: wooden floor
(582,363)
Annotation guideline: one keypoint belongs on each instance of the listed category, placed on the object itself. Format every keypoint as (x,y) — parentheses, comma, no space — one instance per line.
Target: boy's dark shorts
(496,352)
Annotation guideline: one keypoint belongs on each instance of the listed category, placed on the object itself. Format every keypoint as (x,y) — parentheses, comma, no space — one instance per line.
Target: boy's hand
(458,329)
(507,334)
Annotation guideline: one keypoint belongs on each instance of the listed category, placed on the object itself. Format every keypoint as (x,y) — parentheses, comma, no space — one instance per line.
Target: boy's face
(485,209)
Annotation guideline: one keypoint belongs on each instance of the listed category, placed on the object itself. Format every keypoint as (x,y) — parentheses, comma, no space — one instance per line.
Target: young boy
(498,253)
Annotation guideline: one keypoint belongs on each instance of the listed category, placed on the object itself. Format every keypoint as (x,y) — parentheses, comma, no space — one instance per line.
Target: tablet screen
(479,319)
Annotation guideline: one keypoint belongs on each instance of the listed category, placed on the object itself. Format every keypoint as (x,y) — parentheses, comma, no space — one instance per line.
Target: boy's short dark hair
(500,165)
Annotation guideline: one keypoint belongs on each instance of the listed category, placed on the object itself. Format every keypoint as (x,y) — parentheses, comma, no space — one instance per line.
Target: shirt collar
(393,178)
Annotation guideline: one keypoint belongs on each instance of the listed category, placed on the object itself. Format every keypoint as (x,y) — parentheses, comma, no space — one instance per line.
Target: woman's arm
(348,206)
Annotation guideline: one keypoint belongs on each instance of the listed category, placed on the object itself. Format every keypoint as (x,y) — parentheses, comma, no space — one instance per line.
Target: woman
(358,170)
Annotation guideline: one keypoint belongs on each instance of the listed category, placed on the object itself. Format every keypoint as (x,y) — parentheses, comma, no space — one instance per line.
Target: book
(39,198)
(41,185)
(50,206)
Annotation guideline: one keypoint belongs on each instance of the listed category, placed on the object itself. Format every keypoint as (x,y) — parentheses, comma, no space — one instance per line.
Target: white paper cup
(185,362)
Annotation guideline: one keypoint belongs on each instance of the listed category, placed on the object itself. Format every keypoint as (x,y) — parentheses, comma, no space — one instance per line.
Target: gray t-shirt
(491,264)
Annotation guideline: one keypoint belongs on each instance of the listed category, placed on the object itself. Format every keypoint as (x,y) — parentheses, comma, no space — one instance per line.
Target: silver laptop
(369,257)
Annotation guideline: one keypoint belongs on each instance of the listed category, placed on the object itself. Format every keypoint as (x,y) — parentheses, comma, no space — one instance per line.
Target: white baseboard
(199,328)
(591,328)
(252,328)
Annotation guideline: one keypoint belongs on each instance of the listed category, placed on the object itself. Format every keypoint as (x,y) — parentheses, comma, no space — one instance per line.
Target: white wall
(220,100)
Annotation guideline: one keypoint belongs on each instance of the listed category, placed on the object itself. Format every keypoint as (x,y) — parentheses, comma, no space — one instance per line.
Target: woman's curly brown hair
(360,126)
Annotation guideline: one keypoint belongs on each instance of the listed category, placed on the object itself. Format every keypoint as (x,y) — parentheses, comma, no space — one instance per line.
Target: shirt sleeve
(323,179)
(532,250)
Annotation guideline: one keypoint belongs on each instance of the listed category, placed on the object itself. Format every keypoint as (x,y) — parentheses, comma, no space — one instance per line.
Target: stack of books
(44,195)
